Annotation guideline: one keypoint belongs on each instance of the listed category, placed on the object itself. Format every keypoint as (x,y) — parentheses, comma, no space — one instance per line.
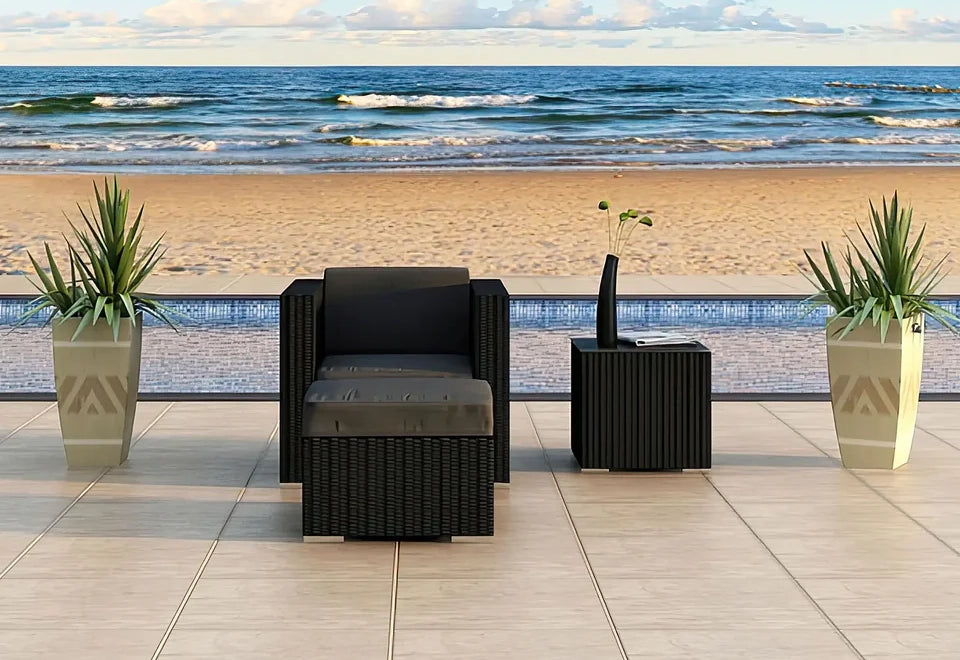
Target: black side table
(640,408)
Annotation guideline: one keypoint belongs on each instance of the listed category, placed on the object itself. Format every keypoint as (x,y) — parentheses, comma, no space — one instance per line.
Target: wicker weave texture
(641,409)
(398,487)
(491,346)
(300,305)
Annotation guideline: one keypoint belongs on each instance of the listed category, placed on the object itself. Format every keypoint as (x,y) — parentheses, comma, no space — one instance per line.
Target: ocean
(183,120)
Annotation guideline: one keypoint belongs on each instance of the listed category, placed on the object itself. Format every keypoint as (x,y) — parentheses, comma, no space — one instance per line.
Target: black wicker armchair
(383,322)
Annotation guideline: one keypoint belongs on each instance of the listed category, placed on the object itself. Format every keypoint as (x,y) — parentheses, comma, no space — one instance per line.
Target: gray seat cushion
(395,366)
(396,407)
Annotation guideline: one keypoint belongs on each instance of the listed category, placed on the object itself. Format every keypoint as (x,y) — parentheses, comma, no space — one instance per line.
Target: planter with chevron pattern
(97,382)
(875,389)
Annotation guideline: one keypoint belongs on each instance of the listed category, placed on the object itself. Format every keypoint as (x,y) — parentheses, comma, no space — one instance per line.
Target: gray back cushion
(396,310)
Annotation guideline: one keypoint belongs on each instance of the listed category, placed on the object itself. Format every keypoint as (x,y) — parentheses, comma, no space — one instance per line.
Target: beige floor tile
(258,285)
(522,285)
(527,644)
(709,604)
(257,644)
(912,644)
(57,557)
(911,604)
(278,560)
(15,413)
(502,604)
(821,484)
(693,284)
(632,519)
(117,603)
(651,488)
(87,644)
(30,514)
(282,521)
(165,519)
(692,554)
(908,485)
(299,604)
(819,643)
(16,285)
(636,285)
(519,554)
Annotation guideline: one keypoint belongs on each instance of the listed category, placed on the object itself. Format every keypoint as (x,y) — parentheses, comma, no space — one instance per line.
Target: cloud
(58,20)
(242,13)
(907,23)
(714,15)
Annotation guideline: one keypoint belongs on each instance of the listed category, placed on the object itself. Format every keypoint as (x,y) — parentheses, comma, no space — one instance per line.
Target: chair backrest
(396,310)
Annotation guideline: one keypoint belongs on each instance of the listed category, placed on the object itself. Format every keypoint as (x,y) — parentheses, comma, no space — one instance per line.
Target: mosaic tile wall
(232,346)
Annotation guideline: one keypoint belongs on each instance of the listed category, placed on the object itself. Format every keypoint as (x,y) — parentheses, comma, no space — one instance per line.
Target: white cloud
(242,13)
(58,20)
(908,23)
(714,15)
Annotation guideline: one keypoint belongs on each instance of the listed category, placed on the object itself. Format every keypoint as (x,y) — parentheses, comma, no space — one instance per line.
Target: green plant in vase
(875,335)
(97,327)
(619,232)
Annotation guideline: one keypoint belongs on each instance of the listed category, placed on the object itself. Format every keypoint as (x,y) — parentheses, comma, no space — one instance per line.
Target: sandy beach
(707,222)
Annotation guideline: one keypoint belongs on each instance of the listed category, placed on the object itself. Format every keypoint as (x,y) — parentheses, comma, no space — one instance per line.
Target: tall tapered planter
(875,390)
(97,380)
(607,304)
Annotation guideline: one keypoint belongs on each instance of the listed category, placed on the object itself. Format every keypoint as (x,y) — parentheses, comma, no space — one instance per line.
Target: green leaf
(604,205)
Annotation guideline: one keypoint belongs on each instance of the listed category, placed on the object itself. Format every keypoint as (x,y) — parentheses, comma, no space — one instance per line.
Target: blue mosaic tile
(232,345)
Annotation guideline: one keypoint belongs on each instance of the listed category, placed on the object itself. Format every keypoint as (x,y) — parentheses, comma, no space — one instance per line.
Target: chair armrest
(490,354)
(301,350)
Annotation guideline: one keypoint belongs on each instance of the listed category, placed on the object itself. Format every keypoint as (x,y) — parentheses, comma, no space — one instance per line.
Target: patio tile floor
(192,550)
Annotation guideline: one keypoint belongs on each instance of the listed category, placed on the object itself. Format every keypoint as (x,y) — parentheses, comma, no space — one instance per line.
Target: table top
(589,345)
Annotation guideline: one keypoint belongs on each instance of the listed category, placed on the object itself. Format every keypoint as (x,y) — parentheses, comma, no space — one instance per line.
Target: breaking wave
(823,101)
(434,101)
(895,122)
(916,89)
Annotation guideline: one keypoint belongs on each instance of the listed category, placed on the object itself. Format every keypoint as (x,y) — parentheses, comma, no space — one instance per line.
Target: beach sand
(707,222)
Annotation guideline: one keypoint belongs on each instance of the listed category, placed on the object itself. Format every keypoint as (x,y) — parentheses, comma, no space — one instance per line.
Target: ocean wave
(915,89)
(433,101)
(823,101)
(887,140)
(175,143)
(438,141)
(88,103)
(896,122)
(142,101)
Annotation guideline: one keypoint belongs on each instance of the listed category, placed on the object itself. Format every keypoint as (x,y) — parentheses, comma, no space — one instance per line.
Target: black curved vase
(607,304)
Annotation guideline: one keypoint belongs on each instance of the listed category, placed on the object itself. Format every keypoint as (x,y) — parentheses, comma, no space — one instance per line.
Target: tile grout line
(392,630)
(786,570)
(937,437)
(66,510)
(576,536)
(870,486)
(231,283)
(212,549)
(27,423)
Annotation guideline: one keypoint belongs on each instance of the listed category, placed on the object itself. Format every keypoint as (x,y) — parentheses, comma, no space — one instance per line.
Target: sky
(479,32)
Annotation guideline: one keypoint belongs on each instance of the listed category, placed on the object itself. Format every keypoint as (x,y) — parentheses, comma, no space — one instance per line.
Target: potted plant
(618,235)
(875,336)
(97,320)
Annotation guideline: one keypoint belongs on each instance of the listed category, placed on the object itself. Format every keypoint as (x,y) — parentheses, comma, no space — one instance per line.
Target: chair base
(397,488)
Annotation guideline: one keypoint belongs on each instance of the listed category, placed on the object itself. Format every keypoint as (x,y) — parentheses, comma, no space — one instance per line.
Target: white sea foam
(444,141)
(823,101)
(897,122)
(140,101)
(433,101)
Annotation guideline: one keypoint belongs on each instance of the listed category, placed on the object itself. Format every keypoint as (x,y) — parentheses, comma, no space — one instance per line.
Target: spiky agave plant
(105,271)
(888,281)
